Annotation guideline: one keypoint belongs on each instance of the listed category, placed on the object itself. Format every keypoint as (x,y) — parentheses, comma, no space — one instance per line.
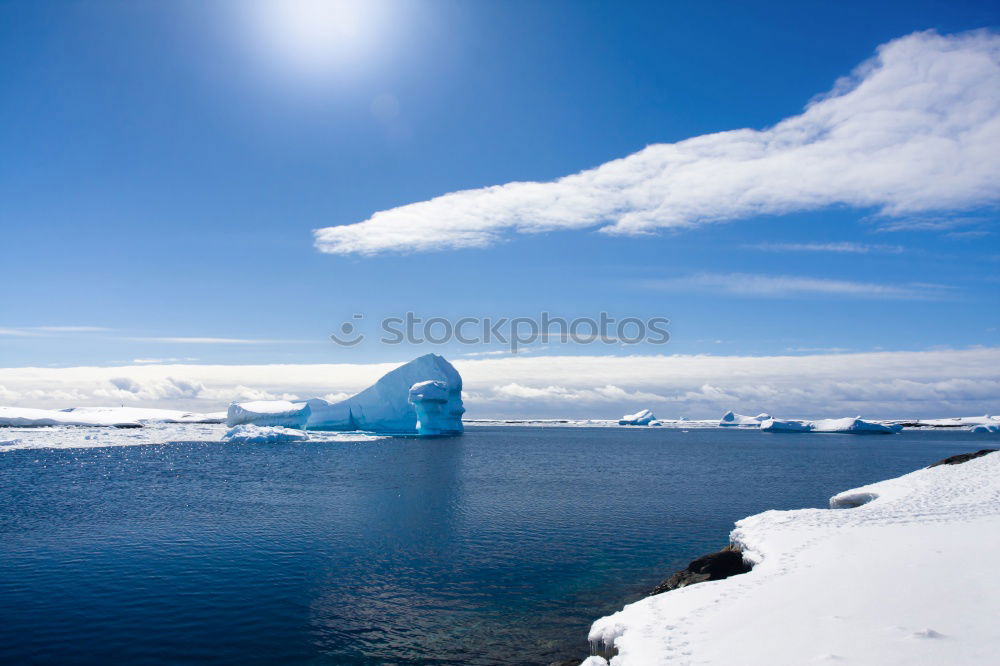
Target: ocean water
(498,547)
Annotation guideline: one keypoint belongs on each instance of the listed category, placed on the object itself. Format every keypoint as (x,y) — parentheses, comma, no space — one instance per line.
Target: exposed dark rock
(714,566)
(567,662)
(962,457)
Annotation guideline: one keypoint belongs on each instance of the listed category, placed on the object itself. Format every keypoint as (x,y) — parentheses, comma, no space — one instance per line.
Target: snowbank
(904,577)
(732,419)
(252,434)
(268,413)
(642,417)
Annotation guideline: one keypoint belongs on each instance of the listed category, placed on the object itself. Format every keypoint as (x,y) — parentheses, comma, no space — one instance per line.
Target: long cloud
(875,384)
(914,130)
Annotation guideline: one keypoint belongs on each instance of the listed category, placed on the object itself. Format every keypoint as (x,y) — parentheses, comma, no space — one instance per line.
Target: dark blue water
(499,547)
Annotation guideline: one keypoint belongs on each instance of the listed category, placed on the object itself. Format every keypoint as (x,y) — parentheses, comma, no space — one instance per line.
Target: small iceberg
(251,434)
(642,417)
(985,428)
(730,418)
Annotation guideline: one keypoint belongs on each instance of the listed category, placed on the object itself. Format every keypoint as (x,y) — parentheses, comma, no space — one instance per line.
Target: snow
(903,577)
(122,417)
(154,434)
(730,418)
(147,415)
(268,413)
(960,421)
(252,434)
(25,417)
(642,417)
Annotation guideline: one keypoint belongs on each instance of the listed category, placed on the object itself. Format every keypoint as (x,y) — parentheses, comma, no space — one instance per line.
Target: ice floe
(252,434)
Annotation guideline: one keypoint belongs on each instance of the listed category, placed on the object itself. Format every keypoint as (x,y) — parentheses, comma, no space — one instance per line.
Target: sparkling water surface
(498,547)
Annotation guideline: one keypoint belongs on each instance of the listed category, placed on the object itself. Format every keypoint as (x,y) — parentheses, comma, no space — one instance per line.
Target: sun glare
(310,37)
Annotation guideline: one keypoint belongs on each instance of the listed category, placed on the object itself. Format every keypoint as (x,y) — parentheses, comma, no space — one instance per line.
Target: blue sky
(165,165)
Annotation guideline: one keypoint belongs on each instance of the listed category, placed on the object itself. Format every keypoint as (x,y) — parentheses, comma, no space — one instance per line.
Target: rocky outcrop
(962,457)
(714,566)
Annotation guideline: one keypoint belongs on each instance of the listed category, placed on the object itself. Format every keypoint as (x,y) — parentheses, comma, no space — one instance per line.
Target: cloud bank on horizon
(912,131)
(897,384)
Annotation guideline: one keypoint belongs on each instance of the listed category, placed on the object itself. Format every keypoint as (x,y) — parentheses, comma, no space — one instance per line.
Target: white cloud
(875,384)
(914,130)
(784,286)
(853,248)
(212,341)
(18,333)
(185,359)
(72,329)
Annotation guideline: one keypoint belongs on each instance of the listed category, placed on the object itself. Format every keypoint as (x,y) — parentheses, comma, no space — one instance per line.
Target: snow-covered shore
(899,572)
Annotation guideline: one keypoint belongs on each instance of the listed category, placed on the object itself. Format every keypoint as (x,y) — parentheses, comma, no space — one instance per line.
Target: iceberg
(854,426)
(268,413)
(422,397)
(252,434)
(774,425)
(642,417)
(732,419)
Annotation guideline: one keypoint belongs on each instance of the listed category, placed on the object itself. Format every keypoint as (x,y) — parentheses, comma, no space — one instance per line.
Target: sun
(308,37)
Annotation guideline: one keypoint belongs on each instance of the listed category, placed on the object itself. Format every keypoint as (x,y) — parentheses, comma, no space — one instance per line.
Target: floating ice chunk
(385,406)
(854,426)
(985,428)
(642,417)
(268,413)
(774,425)
(430,400)
(252,434)
(24,417)
(730,418)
